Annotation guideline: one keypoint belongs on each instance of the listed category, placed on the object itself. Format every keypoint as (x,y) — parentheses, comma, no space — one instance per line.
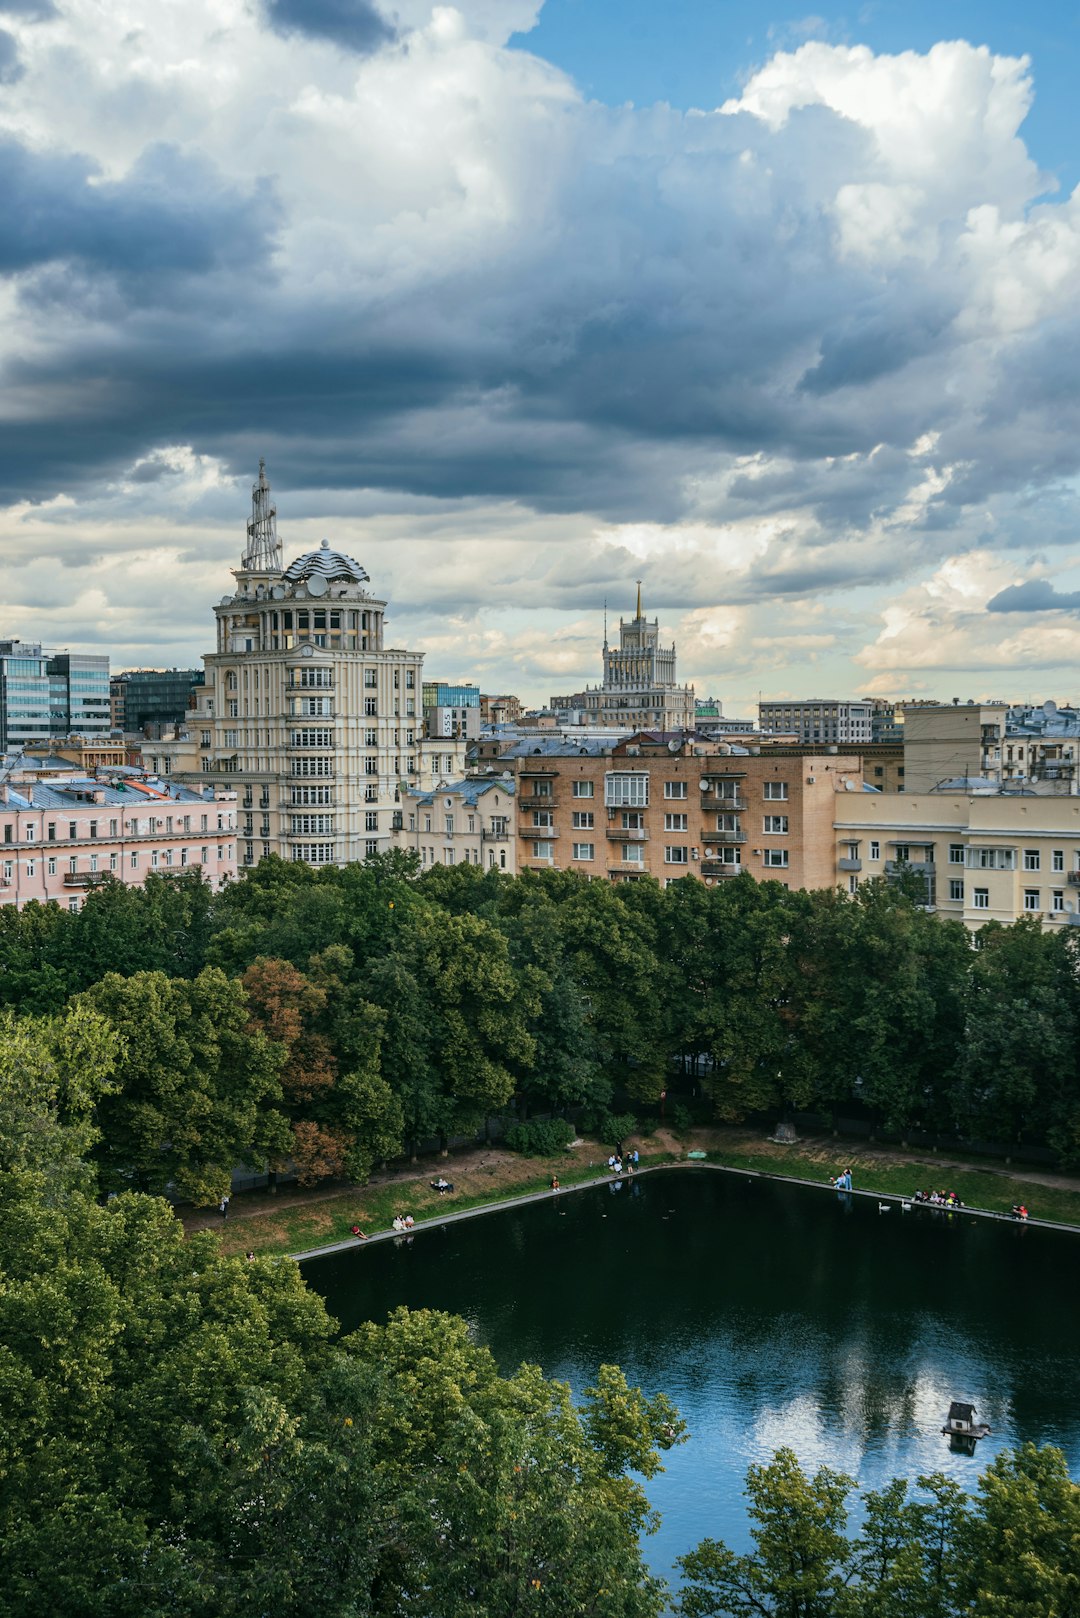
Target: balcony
(627,834)
(538,834)
(719,868)
(727,837)
(537,800)
(725,772)
(500,836)
(849,863)
(536,772)
(82,879)
(727,805)
(1073,879)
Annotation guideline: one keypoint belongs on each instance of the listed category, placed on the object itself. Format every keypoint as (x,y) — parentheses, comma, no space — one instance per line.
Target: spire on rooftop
(263,553)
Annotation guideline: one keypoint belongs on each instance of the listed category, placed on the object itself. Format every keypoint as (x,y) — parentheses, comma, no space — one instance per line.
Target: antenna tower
(263,554)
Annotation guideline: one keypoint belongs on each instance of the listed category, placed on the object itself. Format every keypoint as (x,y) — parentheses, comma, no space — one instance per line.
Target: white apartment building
(306,711)
(462,823)
(980,858)
(819,720)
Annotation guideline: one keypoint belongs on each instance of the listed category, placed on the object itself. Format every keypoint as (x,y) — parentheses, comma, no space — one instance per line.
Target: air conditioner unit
(810,779)
(693,853)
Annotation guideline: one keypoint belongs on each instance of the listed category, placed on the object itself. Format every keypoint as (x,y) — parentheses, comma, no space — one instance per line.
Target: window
(73,906)
(52,831)
(632,820)
(51,867)
(1057,859)
(674,789)
(901,853)
(775,857)
(875,851)
(956,888)
(956,853)
(775,825)
(372,847)
(154,859)
(450,823)
(135,862)
(543,851)
(30,832)
(633,854)
(1057,901)
(371,820)
(541,817)
(582,820)
(313,766)
(582,789)
(316,736)
(980,898)
(205,855)
(371,680)
(1031,859)
(775,789)
(1031,899)
(31,867)
(371,707)
(674,854)
(675,822)
(584,851)
(625,789)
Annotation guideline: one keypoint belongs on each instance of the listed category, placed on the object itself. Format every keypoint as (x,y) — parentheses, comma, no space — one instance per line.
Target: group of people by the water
(622,1163)
(1019,1210)
(938,1199)
(843,1180)
(402,1223)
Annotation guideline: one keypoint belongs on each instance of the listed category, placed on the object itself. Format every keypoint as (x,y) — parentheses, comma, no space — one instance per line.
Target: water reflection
(771,1315)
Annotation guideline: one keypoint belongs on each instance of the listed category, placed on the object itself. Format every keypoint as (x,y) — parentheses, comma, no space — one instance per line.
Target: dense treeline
(183,1435)
(335,1017)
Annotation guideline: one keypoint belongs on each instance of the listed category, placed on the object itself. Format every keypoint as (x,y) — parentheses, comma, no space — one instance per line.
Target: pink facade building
(60,838)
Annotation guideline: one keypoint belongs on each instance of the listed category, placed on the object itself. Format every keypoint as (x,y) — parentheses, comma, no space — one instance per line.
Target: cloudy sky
(524,300)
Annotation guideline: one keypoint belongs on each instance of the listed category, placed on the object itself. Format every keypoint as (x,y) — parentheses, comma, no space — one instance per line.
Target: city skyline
(804,360)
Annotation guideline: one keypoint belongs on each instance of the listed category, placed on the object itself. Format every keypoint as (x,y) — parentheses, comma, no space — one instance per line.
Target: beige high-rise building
(306,710)
(639,689)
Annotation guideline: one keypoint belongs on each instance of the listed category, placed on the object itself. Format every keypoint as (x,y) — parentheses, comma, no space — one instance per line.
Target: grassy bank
(298,1225)
(898,1175)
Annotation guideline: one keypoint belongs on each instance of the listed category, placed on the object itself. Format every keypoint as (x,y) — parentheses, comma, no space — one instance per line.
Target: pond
(771,1314)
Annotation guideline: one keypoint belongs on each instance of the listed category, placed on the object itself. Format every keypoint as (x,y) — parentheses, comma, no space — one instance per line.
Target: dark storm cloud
(171,214)
(1037,595)
(354,24)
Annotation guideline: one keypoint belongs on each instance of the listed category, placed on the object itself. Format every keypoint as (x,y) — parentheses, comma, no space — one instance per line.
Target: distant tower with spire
(639,689)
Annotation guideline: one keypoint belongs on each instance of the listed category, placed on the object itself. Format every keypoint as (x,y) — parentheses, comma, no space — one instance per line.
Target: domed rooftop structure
(333,566)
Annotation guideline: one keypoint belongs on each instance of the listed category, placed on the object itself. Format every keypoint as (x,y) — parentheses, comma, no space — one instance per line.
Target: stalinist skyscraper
(639,686)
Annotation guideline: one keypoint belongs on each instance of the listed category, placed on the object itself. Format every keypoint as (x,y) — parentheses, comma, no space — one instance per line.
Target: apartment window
(541,817)
(1031,859)
(312,766)
(114,860)
(582,819)
(371,680)
(183,856)
(675,854)
(205,855)
(73,906)
(427,822)
(73,830)
(51,866)
(776,857)
(29,833)
(633,854)
(371,707)
(583,789)
(450,823)
(584,851)
(991,859)
(31,867)
(1057,898)
(1057,859)
(93,862)
(543,851)
(371,738)
(233,708)
(112,828)
(775,825)
(674,789)
(51,831)
(956,888)
(1031,899)
(956,853)
(875,851)
(207,739)
(315,737)
(135,862)
(372,847)
(902,853)
(675,822)
(775,790)
(980,898)
(371,820)
(625,789)
(73,864)
(632,820)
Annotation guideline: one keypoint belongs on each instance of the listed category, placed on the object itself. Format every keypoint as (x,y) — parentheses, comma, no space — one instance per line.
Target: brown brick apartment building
(681,809)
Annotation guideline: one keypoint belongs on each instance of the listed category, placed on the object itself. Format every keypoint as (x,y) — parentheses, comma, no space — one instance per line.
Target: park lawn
(303,1226)
(976,1188)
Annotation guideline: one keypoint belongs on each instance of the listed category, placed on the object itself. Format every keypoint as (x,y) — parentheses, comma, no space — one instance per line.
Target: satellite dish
(278,592)
(317,585)
(1050,708)
(704,785)
(224,602)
